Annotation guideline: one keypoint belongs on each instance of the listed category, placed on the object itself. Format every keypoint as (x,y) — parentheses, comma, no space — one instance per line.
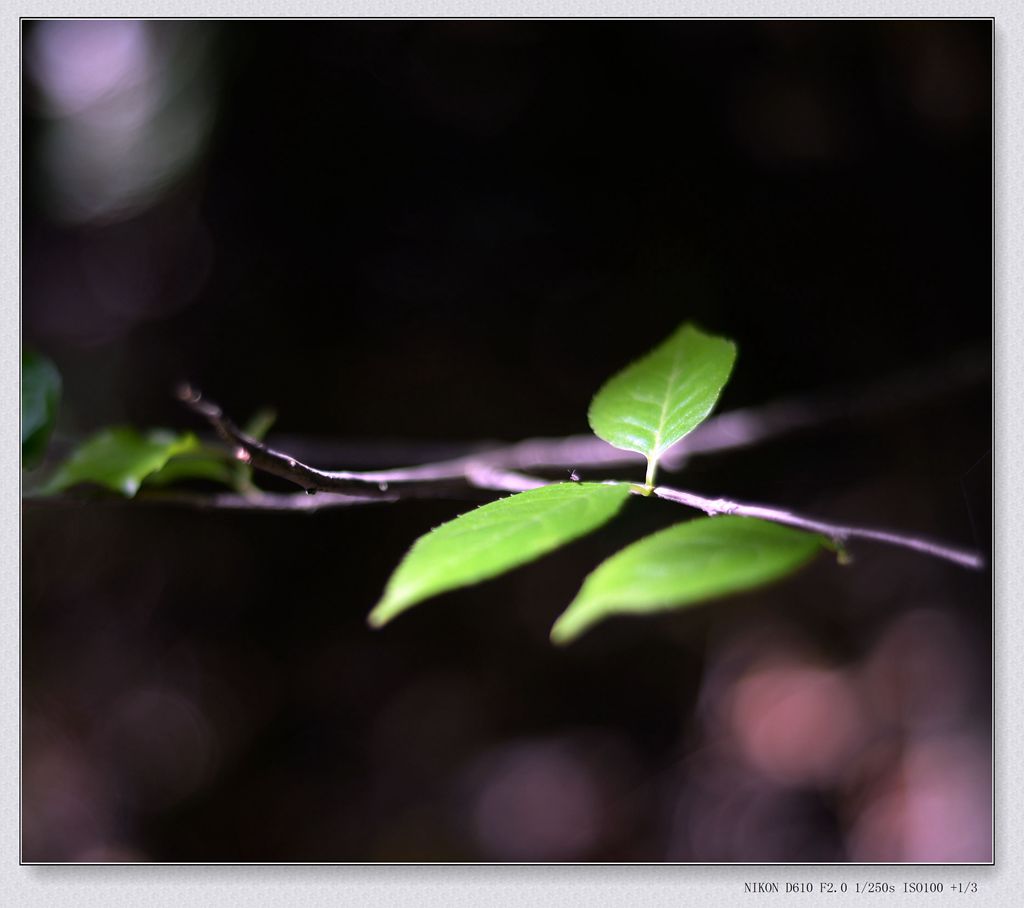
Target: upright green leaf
(120,459)
(652,403)
(40,397)
(496,538)
(687,563)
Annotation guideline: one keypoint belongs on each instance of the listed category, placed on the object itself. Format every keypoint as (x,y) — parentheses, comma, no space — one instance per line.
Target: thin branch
(837,533)
(478,470)
(486,470)
(260,501)
(279,502)
(262,457)
(480,477)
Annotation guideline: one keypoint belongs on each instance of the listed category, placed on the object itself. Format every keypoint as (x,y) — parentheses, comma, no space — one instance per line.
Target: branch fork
(501,469)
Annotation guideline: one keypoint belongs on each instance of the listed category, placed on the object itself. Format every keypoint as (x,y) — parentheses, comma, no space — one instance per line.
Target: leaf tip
(392,603)
(567,628)
(383,612)
(560,636)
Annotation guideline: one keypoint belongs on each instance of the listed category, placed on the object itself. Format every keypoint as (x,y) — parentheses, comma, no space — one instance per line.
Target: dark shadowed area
(432,233)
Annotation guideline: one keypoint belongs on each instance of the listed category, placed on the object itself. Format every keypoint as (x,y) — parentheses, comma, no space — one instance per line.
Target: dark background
(454,231)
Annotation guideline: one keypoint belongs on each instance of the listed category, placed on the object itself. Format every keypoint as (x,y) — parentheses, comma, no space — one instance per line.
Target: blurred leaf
(40,398)
(651,404)
(208,463)
(686,564)
(496,538)
(214,464)
(120,459)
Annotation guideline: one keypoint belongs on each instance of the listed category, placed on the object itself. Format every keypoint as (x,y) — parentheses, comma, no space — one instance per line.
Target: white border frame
(707,885)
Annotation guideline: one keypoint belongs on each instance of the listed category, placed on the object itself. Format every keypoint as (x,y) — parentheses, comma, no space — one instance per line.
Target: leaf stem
(484,471)
(652,468)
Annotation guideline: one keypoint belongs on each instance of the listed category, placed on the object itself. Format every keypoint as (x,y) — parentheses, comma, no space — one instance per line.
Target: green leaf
(686,564)
(206,463)
(652,403)
(214,464)
(496,538)
(120,459)
(40,397)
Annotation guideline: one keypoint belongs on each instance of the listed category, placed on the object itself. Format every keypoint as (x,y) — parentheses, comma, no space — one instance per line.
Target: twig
(486,470)
(428,478)
(478,471)
(259,501)
(279,502)
(837,533)
(445,478)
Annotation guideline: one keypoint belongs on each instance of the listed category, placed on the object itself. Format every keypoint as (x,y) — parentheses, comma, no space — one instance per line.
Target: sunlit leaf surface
(685,564)
(496,538)
(655,401)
